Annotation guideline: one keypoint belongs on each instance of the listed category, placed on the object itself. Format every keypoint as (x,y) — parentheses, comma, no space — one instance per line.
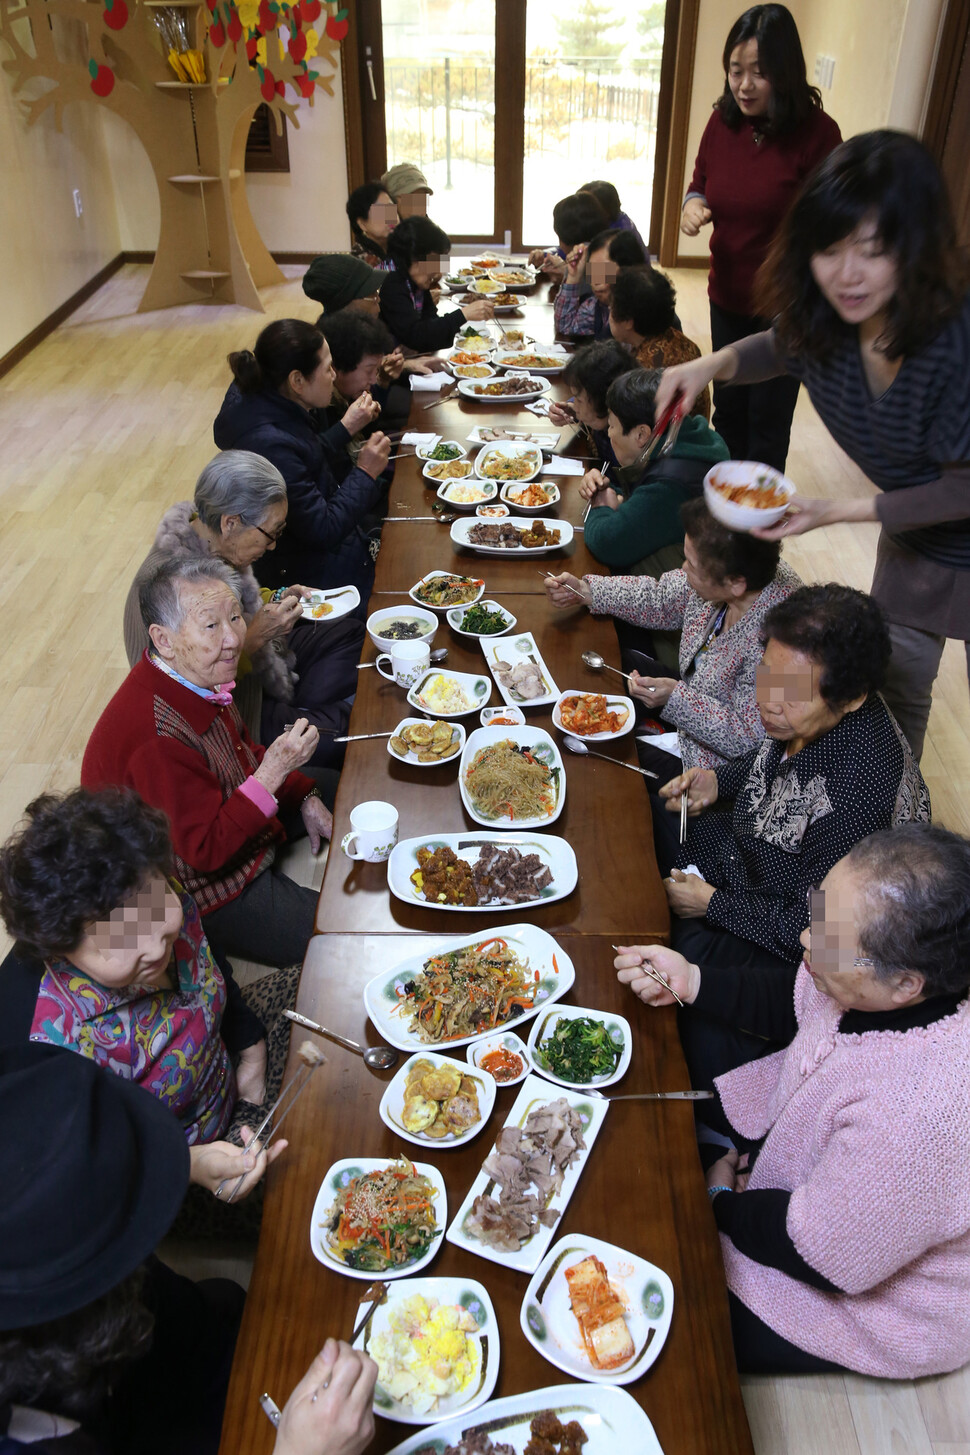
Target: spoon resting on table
(576,745)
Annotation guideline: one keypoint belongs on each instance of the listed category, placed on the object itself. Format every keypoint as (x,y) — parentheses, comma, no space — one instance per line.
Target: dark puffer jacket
(324,543)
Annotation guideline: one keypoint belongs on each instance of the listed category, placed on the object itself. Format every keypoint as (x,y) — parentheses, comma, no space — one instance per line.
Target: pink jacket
(869,1135)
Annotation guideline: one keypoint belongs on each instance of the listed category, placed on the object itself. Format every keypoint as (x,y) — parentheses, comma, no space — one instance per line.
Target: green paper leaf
(92,69)
(341,15)
(260,72)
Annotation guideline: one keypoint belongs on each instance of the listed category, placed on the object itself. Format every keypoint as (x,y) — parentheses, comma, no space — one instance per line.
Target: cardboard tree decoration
(253,51)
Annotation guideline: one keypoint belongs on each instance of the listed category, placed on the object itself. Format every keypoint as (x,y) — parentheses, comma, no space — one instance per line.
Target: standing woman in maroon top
(767,133)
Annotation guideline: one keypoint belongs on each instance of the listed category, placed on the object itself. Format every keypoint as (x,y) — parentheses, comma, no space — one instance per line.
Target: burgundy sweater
(190,757)
(749,187)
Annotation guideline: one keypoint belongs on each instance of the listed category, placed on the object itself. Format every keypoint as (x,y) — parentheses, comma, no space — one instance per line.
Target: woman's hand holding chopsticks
(213,1164)
(657,974)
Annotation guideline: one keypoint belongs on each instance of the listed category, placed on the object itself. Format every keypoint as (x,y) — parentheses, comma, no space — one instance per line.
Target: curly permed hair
(842,630)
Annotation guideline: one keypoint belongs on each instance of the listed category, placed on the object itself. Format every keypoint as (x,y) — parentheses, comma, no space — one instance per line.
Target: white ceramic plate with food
(449,694)
(622,709)
(538,359)
(490,434)
(411,758)
(330,602)
(454,448)
(538,537)
(485,287)
(336,1181)
(531,498)
(441,590)
(443,472)
(436,1111)
(744,495)
(644,1291)
(510,1047)
(405,617)
(467,494)
(517,666)
(508,461)
(546,801)
(472,342)
(556,857)
(512,276)
(613,1030)
(500,717)
(392,1317)
(534,1094)
(495,511)
(476,390)
(472,371)
(458,613)
(611,1418)
(394,1009)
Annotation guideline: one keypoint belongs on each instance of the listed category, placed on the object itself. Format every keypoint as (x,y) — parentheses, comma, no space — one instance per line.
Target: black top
(412,317)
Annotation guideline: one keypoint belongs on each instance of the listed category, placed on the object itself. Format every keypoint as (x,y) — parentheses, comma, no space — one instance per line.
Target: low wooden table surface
(641,1188)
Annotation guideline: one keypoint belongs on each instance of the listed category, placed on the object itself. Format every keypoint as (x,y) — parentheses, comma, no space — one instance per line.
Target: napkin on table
(429,383)
(560,465)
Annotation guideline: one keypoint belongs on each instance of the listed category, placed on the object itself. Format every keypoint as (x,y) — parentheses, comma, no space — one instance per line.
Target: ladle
(378,1058)
(576,745)
(596,663)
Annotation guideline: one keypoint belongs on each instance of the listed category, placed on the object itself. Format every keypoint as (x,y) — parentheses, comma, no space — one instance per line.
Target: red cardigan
(189,757)
(749,187)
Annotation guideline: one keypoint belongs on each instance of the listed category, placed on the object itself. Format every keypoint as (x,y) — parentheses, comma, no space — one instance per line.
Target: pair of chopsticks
(290,1093)
(589,504)
(546,575)
(654,975)
(683,817)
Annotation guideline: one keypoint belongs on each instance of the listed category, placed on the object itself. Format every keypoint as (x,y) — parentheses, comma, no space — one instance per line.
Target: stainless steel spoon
(379,1058)
(576,745)
(440,654)
(596,663)
(445,518)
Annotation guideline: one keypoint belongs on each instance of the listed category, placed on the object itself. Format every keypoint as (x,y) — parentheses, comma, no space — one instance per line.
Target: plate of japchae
(508,460)
(480,873)
(514,779)
(375,1217)
(426,1001)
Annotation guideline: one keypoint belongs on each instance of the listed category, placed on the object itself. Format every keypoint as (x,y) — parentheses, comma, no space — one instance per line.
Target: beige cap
(405,177)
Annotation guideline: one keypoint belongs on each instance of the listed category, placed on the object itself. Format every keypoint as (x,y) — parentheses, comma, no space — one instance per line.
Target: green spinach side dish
(579,1050)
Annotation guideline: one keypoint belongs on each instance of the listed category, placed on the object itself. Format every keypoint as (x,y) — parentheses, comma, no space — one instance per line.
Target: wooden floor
(106,424)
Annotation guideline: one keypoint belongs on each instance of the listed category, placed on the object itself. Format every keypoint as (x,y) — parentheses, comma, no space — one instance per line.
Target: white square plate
(392,1102)
(617,1026)
(542,746)
(338,1177)
(513,489)
(547,1319)
(513,650)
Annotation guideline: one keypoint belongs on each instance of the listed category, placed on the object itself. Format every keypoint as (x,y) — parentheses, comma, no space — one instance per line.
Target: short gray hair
(160,596)
(237,482)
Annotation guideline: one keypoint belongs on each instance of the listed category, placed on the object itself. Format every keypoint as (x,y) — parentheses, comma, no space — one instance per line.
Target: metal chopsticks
(654,975)
(292,1092)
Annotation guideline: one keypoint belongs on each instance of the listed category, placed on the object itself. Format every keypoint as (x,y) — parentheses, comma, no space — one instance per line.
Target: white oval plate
(529,737)
(439,480)
(425,454)
(511,488)
(611,1418)
(505,359)
(513,650)
(341,598)
(487,488)
(457,612)
(521,277)
(619,1032)
(508,1041)
(476,580)
(533,1093)
(383,995)
(613,702)
(744,472)
(460,371)
(471,1295)
(486,286)
(552,850)
(337,1177)
(509,450)
(412,760)
(460,529)
(392,1103)
(477,689)
(466,387)
(547,1319)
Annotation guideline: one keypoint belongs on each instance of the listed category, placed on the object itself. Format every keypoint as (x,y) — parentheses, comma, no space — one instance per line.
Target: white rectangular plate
(614,703)
(461,528)
(342,598)
(619,1031)
(474,1297)
(552,850)
(392,1102)
(612,1419)
(534,1092)
(526,737)
(548,1323)
(516,649)
(545,439)
(383,995)
(337,1177)
(476,689)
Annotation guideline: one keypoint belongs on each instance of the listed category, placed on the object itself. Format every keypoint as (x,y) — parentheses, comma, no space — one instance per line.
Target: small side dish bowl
(467,494)
(456,451)
(457,613)
(504,1041)
(499,717)
(746,481)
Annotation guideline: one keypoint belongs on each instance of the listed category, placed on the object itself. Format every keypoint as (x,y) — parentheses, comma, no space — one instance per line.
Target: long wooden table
(643,1187)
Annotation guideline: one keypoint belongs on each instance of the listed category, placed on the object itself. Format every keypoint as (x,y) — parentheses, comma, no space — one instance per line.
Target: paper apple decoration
(234,29)
(102,79)
(297,45)
(338,25)
(268,16)
(306,85)
(217,34)
(252,45)
(310,9)
(267,88)
(115,14)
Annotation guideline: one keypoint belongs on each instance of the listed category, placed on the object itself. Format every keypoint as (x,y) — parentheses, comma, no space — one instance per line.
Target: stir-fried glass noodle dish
(468,991)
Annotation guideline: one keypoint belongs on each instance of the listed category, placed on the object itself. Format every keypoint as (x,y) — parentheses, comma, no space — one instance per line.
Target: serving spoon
(445,518)
(576,745)
(440,654)
(596,663)
(379,1058)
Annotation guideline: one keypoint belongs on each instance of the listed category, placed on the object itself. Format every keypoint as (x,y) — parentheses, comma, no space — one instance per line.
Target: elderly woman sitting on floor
(844,1202)
(833,768)
(238,513)
(111,961)
(718,603)
(172,733)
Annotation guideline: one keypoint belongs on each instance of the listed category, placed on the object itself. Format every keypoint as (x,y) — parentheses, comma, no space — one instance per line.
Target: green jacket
(644,535)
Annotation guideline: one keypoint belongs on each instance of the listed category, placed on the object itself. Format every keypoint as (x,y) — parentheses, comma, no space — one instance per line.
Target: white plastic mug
(409,662)
(373,831)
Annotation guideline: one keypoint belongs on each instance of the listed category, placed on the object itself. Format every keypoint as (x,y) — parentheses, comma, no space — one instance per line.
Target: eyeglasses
(275,536)
(864,962)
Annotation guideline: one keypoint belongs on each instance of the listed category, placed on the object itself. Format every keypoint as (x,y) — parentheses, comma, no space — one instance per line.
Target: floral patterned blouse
(167,1040)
